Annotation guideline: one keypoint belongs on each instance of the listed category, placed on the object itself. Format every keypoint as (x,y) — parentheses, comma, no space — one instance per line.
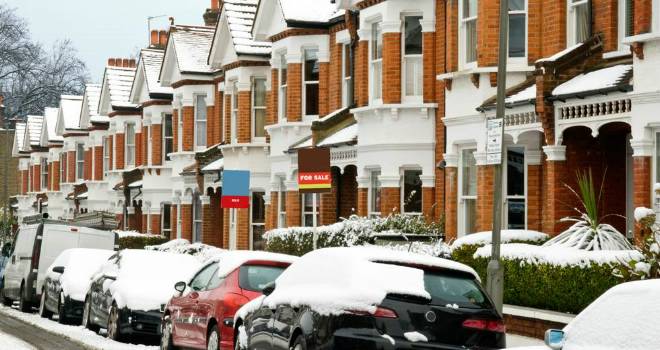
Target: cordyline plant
(649,265)
(588,231)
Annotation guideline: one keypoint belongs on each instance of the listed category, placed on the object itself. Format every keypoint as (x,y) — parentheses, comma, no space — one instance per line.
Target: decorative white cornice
(390,26)
(364,33)
(343,37)
(555,153)
(465,119)
(481,158)
(642,148)
(428,25)
(451,160)
(651,97)
(390,180)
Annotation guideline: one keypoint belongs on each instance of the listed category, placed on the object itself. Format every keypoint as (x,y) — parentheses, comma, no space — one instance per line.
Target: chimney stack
(212,14)
(111,62)
(121,62)
(162,38)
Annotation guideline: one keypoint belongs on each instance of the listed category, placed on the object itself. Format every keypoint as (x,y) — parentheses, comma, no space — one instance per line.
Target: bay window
(374,193)
(258,223)
(468,31)
(44,173)
(311,69)
(281,98)
(411,196)
(517,28)
(310,209)
(80,161)
(200,121)
(412,57)
(168,137)
(234,113)
(515,188)
(258,107)
(376,66)
(130,145)
(347,78)
(579,21)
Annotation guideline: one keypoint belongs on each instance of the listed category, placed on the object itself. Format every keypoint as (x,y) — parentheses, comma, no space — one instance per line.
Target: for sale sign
(235,189)
(314,170)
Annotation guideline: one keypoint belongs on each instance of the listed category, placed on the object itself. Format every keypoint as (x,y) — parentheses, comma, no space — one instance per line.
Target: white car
(625,317)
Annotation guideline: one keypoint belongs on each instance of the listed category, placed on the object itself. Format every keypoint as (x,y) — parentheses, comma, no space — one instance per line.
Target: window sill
(616,54)
(511,68)
(641,38)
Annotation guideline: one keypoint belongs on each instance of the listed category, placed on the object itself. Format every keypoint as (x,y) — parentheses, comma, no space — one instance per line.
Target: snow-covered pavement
(9,342)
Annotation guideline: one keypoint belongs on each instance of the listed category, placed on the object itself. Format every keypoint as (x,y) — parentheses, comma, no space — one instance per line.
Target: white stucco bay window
(376,62)
(412,65)
(258,102)
(80,161)
(130,145)
(200,122)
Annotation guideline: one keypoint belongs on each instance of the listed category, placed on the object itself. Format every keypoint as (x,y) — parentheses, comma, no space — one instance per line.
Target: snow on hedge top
(595,80)
(642,213)
(231,260)
(334,280)
(558,255)
(486,237)
(310,10)
(79,264)
(203,252)
(624,317)
(145,279)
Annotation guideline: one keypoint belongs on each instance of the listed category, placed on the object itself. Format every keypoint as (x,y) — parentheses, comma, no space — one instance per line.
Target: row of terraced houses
(399,90)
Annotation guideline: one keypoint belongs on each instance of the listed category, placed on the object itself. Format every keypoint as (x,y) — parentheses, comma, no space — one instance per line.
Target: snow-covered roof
(305,142)
(19,137)
(600,79)
(69,113)
(92,95)
(560,54)
(346,135)
(240,16)
(119,81)
(192,45)
(34,125)
(50,121)
(319,11)
(215,165)
(529,93)
(152,60)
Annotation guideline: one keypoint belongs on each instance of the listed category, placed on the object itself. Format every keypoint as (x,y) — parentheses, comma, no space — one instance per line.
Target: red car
(201,316)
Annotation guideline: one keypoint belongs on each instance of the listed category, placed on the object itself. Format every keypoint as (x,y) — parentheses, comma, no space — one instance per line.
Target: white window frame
(29,176)
(43,166)
(373,179)
(316,202)
(254,108)
(179,128)
(63,160)
(106,154)
(281,204)
(233,123)
(346,77)
(375,65)
(200,146)
(150,141)
(311,82)
(462,34)
(417,97)
(129,147)
(282,89)
(80,161)
(505,190)
(402,194)
(521,60)
(461,198)
(571,23)
(621,20)
(165,136)
(197,218)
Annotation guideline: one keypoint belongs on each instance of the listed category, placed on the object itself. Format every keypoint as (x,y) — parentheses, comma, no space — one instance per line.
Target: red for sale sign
(314,170)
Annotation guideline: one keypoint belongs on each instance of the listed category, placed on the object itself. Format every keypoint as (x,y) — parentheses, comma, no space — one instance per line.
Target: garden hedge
(139,242)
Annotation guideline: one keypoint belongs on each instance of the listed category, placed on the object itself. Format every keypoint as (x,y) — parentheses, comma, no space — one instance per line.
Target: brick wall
(529,327)
(534,30)
(324,88)
(271,211)
(348,192)
(145,223)
(605,21)
(186,221)
(155,224)
(429,75)
(144,145)
(243,229)
(554,178)
(641,186)
(173,221)
(212,133)
(428,200)
(217,224)
(294,92)
(139,145)
(119,151)
(55,174)
(227,120)
(362,202)
(36,178)
(488,32)
(24,181)
(451,203)
(328,205)
(293,210)
(643,16)
(334,75)
(485,181)
(188,129)
(451,31)
(553,24)
(244,120)
(98,163)
(272,102)
(157,144)
(71,167)
(362,73)
(391,68)
(87,168)
(390,201)
(175,129)
(111,152)
(534,200)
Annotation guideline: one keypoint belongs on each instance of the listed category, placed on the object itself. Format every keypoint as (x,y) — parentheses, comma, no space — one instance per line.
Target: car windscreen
(455,290)
(256,277)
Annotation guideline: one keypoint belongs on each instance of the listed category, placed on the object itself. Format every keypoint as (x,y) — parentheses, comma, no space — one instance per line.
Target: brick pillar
(218,108)
(428,201)
(328,206)
(324,88)
(335,79)
(145,145)
(71,166)
(24,181)
(212,126)
(348,187)
(451,200)
(485,181)
(173,221)
(554,199)
(534,199)
(36,178)
(208,235)
(225,228)
(217,220)
(87,169)
(271,211)
(144,221)
(98,163)
(244,120)
(429,75)
(391,68)
(155,224)
(156,144)
(242,229)
(643,16)
(138,147)
(294,92)
(390,201)
(186,221)
(175,129)
(119,151)
(227,121)
(111,152)
(272,107)
(362,72)
(293,209)
(553,24)
(188,128)
(641,187)
(362,201)
(55,174)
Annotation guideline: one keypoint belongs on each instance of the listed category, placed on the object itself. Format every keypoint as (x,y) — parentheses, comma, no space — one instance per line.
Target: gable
(269,20)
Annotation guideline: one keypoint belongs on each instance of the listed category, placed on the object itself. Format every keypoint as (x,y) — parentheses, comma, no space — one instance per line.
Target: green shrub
(139,242)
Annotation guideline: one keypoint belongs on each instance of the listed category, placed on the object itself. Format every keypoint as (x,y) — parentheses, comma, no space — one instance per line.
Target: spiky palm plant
(588,231)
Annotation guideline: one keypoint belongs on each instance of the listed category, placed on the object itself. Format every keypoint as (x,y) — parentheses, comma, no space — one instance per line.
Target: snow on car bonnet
(334,280)
(146,279)
(625,317)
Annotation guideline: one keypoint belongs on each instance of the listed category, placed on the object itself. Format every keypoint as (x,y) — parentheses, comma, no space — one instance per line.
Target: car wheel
(299,344)
(86,318)
(43,310)
(114,331)
(61,310)
(23,304)
(5,301)
(166,341)
(213,339)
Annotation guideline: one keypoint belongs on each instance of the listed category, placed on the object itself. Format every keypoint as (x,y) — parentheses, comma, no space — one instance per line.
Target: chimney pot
(215,5)
(111,62)
(131,63)
(154,38)
(162,40)
(124,62)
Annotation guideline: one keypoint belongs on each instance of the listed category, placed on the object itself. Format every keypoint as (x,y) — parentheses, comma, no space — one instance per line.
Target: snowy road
(16,334)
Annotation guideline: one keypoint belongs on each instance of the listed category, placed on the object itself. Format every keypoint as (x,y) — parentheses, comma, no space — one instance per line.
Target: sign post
(235,195)
(314,175)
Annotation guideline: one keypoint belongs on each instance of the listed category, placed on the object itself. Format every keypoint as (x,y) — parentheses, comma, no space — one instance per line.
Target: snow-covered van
(34,250)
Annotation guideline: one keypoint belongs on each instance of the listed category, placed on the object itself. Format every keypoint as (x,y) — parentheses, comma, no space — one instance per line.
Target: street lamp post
(495,282)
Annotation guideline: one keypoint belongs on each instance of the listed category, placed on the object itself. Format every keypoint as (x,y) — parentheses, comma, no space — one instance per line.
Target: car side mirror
(180,287)
(268,289)
(58,269)
(554,338)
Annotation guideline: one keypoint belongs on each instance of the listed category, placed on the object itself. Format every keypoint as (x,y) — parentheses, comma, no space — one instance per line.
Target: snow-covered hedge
(203,252)
(554,278)
(463,249)
(137,240)
(354,231)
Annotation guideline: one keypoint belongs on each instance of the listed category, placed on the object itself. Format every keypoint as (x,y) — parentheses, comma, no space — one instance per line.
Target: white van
(34,250)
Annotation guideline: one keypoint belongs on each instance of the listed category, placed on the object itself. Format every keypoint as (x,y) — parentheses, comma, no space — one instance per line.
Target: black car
(141,278)
(459,315)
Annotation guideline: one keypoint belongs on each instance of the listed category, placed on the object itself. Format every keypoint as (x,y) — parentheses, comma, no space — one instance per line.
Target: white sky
(101,29)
